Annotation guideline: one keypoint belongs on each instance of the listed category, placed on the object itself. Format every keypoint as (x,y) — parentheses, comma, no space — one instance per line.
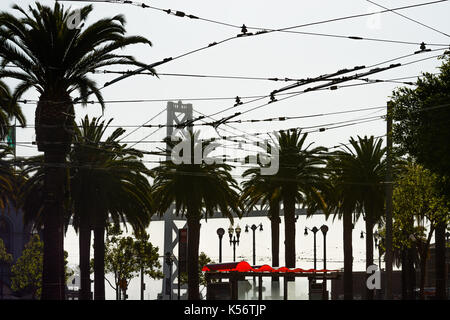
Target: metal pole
(220,249)
(254,255)
(142,283)
(260,288)
(325,296)
(324,230)
(388,255)
(234,249)
(315,253)
(254,248)
(285,288)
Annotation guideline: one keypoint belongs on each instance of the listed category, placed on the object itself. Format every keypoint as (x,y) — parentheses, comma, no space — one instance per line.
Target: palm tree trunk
(289,228)
(85,253)
(99,259)
(369,249)
(441,276)
(348,256)
(192,267)
(53,284)
(275,228)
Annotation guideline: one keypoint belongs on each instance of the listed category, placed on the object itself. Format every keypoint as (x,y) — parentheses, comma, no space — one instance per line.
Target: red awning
(244,266)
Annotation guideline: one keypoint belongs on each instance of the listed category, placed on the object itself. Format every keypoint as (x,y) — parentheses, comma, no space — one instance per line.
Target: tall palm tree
(108,181)
(198,189)
(54,58)
(369,172)
(301,179)
(262,190)
(342,204)
(357,174)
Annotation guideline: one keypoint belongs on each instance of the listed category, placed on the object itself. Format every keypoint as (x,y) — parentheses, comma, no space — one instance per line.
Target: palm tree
(198,189)
(7,178)
(369,171)
(262,190)
(357,175)
(108,180)
(342,204)
(54,58)
(301,179)
(8,110)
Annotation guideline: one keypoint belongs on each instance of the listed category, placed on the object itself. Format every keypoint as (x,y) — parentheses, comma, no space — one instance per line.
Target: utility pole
(389,186)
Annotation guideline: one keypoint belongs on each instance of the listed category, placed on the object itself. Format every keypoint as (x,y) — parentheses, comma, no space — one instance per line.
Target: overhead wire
(332,85)
(408,18)
(154,117)
(243,33)
(281,118)
(276,79)
(283,29)
(182,14)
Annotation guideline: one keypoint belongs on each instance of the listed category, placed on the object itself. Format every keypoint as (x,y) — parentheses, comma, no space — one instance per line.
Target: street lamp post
(220,233)
(314,231)
(324,230)
(254,227)
(234,239)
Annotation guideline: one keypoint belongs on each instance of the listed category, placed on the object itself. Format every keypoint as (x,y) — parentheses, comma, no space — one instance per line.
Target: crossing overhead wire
(408,18)
(319,128)
(164,109)
(246,133)
(255,98)
(226,125)
(243,33)
(366,80)
(260,30)
(209,76)
(331,86)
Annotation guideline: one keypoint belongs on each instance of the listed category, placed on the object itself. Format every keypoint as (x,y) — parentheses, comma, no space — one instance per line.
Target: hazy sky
(269,55)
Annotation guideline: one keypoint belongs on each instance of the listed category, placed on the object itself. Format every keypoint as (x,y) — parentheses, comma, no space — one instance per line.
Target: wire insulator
(180,14)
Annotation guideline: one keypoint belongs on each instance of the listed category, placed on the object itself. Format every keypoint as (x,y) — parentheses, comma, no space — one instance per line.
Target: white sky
(270,55)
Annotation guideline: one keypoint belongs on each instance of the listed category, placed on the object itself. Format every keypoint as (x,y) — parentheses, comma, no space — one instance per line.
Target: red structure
(244,266)
(237,271)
